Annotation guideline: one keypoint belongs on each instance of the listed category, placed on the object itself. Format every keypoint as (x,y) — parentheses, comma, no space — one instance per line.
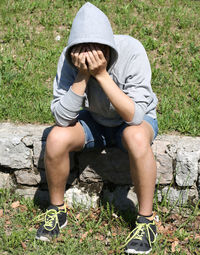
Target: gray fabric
(129,68)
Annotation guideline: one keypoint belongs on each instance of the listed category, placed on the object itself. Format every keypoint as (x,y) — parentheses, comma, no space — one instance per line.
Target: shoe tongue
(142,219)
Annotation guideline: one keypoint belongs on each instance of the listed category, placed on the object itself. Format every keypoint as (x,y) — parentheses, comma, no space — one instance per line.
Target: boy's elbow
(63,122)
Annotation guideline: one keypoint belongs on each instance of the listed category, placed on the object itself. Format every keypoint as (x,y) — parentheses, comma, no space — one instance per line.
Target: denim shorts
(99,136)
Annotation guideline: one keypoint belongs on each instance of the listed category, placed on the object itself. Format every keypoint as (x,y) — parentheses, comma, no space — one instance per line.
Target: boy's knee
(58,139)
(135,139)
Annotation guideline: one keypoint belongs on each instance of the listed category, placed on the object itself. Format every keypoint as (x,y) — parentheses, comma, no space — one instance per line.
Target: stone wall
(99,174)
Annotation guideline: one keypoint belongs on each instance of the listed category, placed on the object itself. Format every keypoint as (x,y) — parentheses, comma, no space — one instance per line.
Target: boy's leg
(137,140)
(60,142)
(85,133)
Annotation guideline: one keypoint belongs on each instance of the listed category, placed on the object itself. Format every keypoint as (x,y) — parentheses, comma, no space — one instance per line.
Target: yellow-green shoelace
(48,217)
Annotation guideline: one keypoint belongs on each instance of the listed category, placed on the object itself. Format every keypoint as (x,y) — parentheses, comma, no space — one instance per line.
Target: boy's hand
(96,60)
(78,55)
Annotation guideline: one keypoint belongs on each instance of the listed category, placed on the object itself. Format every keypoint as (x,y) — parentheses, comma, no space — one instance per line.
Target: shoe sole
(132,251)
(45,238)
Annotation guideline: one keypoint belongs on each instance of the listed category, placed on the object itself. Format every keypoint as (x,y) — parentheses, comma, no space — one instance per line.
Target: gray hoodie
(128,67)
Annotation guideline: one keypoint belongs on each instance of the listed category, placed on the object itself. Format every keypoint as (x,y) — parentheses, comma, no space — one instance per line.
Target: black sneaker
(55,219)
(140,240)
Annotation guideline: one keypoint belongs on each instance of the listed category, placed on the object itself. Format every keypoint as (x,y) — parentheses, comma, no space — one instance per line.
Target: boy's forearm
(80,83)
(122,103)
(67,108)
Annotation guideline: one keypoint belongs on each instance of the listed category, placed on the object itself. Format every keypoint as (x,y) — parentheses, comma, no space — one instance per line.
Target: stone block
(35,177)
(14,154)
(30,177)
(6,181)
(38,154)
(186,167)
(28,140)
(113,165)
(179,197)
(164,162)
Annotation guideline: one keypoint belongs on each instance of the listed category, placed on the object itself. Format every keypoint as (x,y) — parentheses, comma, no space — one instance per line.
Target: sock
(148,217)
(62,206)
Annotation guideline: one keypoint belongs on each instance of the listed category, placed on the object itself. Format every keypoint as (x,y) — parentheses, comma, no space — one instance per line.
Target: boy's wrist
(101,75)
(83,76)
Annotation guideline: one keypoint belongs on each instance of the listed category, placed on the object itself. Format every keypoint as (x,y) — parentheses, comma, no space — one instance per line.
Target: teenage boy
(109,77)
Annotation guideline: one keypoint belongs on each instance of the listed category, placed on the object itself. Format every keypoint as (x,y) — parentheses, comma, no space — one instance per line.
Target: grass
(29,53)
(97,231)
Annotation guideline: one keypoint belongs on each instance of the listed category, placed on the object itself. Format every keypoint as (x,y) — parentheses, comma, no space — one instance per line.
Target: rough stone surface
(14,154)
(22,154)
(6,181)
(38,153)
(186,167)
(112,165)
(76,196)
(164,162)
(27,192)
(179,197)
(123,197)
(28,140)
(108,165)
(30,177)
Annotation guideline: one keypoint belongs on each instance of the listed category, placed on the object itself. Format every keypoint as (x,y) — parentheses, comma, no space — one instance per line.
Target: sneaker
(55,219)
(140,240)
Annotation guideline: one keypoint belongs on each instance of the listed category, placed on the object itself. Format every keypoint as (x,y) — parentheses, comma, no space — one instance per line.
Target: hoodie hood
(91,25)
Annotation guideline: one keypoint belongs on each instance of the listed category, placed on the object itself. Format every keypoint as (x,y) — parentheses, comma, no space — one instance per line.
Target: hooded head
(91,25)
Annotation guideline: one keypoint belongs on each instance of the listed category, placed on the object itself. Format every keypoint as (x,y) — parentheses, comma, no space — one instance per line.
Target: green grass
(29,53)
(97,231)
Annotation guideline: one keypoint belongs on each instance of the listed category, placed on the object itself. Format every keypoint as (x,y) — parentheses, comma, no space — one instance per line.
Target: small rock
(76,196)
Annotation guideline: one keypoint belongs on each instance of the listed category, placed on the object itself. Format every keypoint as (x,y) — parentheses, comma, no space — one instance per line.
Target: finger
(89,61)
(82,60)
(76,55)
(100,53)
(94,52)
(82,56)
(91,56)
(74,52)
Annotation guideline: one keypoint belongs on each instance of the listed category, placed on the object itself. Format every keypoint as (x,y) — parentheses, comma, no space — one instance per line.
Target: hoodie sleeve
(138,82)
(66,104)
